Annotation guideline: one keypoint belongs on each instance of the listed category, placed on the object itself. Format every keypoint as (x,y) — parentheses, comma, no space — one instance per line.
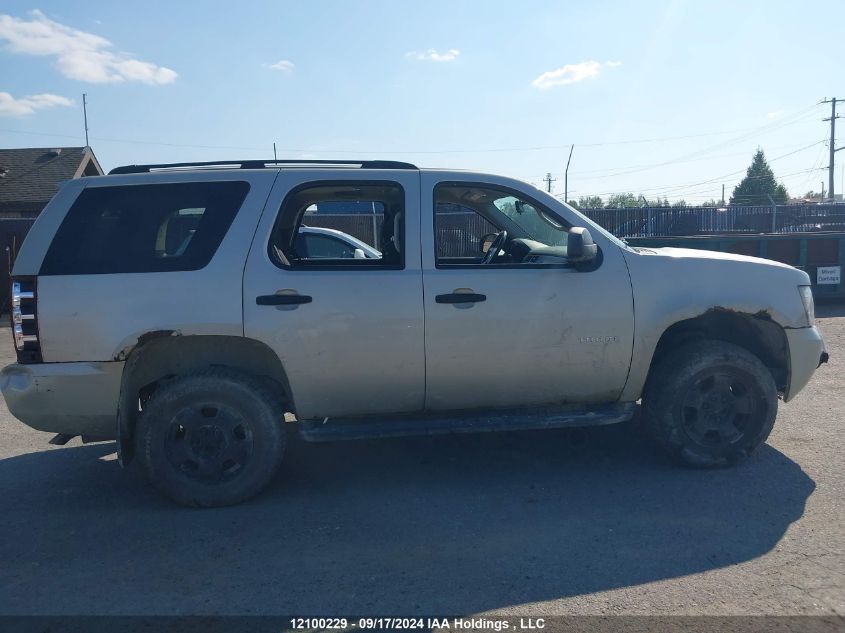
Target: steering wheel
(495,247)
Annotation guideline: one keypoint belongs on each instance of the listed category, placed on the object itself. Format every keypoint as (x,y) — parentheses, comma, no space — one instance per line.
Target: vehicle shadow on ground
(429,525)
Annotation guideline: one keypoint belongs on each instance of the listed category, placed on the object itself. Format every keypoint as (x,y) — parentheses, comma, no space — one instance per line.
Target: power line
(789,120)
(672,189)
(697,153)
(699,192)
(816,166)
(683,190)
(675,162)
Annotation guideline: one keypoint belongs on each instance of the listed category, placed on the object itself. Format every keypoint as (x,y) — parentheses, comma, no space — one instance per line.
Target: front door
(525,328)
(345,316)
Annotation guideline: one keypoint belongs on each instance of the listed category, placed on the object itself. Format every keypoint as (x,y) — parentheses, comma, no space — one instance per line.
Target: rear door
(348,331)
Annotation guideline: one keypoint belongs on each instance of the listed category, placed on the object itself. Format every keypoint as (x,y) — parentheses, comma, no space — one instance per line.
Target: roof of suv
(262,164)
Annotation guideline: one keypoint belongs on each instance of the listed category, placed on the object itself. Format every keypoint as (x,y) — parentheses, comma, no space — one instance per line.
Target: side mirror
(580,247)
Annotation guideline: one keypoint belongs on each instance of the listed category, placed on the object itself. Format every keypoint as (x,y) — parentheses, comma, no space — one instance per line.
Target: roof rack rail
(261,164)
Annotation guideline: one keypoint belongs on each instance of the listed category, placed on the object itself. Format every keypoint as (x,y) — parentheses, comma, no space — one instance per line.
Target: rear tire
(710,404)
(211,438)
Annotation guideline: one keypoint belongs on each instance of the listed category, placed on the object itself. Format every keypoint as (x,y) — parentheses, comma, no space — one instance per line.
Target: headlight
(807,299)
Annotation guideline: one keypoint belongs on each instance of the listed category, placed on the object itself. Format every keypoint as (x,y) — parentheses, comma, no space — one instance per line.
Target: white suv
(173,308)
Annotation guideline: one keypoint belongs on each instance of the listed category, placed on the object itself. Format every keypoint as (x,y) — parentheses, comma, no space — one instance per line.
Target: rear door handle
(460,297)
(282,300)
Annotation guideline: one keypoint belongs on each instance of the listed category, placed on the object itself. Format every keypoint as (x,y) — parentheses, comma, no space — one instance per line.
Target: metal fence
(366,228)
(458,233)
(685,221)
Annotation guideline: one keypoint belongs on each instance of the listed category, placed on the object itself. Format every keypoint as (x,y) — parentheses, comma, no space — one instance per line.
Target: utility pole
(274,152)
(822,191)
(85,115)
(549,180)
(566,177)
(833,149)
(723,194)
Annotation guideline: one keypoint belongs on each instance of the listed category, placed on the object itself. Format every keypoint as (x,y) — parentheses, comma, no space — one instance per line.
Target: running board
(60,439)
(335,429)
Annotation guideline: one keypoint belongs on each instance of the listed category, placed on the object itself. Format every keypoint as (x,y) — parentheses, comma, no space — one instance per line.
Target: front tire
(710,404)
(211,438)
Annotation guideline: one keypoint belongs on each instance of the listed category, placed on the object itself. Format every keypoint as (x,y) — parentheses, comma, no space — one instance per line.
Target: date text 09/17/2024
(419,623)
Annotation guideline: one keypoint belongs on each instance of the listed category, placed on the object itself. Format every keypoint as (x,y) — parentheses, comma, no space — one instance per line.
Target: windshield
(537,225)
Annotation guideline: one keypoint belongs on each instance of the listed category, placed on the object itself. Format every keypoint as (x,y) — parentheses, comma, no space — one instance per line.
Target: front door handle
(460,297)
(282,300)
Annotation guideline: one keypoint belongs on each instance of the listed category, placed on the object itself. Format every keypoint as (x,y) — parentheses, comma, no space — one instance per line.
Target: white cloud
(284,65)
(773,115)
(431,55)
(571,73)
(79,55)
(9,106)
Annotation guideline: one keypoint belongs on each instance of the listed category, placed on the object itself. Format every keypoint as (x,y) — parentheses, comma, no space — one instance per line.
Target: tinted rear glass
(144,228)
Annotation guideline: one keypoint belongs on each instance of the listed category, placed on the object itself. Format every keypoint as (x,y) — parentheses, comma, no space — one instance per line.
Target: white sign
(827,275)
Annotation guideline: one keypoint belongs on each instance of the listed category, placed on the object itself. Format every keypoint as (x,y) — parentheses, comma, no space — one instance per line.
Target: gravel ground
(555,522)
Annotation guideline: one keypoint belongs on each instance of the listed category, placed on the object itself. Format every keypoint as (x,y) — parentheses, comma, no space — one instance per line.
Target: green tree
(590,202)
(759,183)
(623,201)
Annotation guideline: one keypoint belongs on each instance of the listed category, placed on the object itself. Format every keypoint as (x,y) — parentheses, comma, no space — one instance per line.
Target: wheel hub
(207,441)
(716,409)
(719,406)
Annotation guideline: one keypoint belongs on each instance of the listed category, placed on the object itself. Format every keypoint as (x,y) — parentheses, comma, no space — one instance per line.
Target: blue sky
(665,98)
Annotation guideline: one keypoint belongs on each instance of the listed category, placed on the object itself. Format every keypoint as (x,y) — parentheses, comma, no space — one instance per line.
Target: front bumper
(806,354)
(71,398)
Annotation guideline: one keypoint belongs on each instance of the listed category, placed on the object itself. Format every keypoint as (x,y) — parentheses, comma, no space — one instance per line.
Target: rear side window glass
(354,225)
(144,228)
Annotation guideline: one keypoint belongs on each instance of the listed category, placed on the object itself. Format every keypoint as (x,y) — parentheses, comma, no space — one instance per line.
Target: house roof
(31,176)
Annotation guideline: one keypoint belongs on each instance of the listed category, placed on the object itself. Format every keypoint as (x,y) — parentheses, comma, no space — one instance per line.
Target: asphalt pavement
(554,522)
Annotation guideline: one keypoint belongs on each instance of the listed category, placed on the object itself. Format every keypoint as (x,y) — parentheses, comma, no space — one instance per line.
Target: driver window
(459,231)
(468,219)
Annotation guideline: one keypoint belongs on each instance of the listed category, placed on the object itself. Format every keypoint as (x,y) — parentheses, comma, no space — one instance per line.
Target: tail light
(25,319)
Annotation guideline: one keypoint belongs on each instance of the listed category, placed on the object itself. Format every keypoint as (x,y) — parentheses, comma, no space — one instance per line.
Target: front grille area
(25,319)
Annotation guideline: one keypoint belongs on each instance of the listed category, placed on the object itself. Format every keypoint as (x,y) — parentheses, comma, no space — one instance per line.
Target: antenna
(274,151)
(85,114)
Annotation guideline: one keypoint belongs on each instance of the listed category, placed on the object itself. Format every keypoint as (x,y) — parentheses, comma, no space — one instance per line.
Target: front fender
(674,285)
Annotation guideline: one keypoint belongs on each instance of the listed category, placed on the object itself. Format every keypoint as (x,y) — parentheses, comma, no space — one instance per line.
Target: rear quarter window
(144,228)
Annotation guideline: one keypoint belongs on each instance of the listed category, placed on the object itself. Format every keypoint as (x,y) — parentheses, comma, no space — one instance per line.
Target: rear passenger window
(144,228)
(357,224)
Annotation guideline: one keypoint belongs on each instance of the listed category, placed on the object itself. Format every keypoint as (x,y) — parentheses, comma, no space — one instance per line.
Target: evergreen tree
(759,183)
